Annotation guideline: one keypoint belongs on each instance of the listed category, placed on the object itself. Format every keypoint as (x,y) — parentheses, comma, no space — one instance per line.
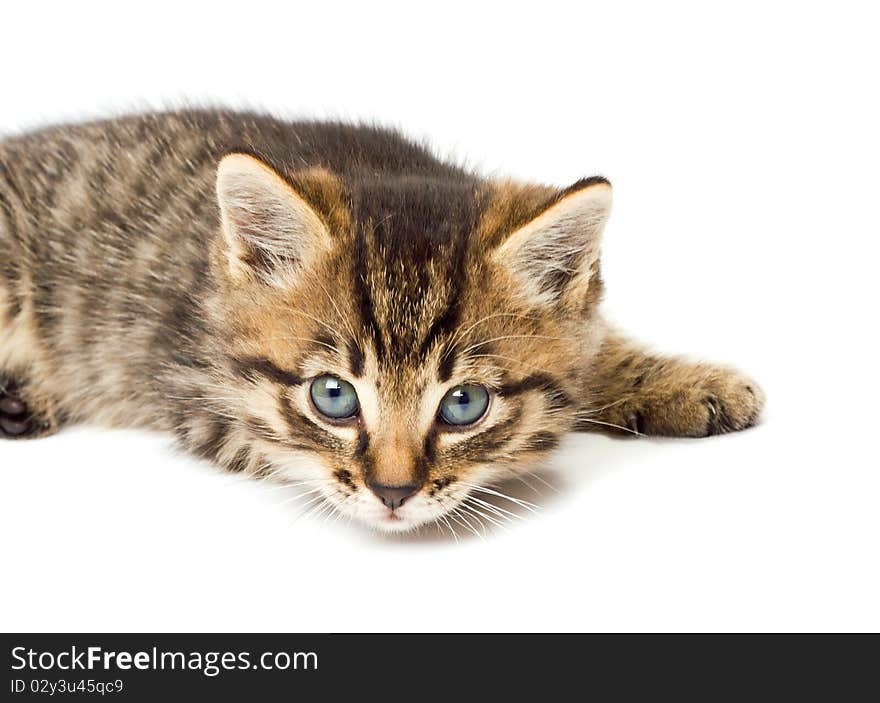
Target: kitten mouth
(398,519)
(394,521)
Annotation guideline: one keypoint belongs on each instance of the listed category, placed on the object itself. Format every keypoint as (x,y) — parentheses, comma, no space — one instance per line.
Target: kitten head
(396,342)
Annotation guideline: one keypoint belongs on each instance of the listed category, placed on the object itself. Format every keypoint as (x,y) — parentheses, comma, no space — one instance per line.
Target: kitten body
(196,272)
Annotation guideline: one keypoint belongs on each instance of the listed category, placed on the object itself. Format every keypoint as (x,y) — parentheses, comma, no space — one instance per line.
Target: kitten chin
(321,303)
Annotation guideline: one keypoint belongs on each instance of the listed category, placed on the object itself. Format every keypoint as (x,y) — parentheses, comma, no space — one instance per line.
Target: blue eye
(333,397)
(464,405)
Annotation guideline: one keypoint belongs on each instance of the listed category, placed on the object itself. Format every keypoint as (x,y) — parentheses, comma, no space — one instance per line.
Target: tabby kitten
(323,303)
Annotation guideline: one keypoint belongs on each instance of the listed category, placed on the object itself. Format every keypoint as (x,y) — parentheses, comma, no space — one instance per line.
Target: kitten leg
(635,390)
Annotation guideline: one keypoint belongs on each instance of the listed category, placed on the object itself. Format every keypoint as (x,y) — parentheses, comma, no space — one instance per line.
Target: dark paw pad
(15,417)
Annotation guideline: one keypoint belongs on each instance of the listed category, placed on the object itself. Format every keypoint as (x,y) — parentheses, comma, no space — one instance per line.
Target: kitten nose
(393,496)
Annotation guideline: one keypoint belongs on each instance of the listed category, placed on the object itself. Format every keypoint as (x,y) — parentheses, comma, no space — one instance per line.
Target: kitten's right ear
(268,228)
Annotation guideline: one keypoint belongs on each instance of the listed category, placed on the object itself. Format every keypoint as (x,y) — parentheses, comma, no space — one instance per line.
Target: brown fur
(141,286)
(656,395)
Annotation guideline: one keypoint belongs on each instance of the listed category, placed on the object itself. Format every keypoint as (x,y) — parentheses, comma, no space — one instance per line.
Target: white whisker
(457,515)
(611,424)
(345,321)
(508,358)
(461,334)
(501,512)
(593,411)
(299,496)
(451,528)
(523,503)
(513,336)
(311,501)
(477,511)
(303,339)
(546,483)
(528,484)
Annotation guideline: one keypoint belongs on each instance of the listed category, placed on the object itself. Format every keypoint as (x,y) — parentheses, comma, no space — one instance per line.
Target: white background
(743,146)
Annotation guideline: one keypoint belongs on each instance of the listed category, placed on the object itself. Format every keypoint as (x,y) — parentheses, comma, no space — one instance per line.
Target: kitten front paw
(20,419)
(693,401)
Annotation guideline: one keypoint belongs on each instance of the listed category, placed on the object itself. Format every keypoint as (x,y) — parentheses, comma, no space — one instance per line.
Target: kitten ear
(268,228)
(555,255)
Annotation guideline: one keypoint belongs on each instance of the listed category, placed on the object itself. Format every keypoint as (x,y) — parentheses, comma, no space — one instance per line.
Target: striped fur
(139,289)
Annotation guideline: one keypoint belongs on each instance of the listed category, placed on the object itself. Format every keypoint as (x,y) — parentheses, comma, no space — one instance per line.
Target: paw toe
(18,419)
(14,420)
(734,408)
(635,422)
(15,428)
(10,405)
(720,420)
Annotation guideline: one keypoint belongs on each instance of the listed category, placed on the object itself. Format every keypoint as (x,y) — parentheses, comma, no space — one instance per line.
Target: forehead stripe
(364,295)
(444,324)
(355,359)
(447,365)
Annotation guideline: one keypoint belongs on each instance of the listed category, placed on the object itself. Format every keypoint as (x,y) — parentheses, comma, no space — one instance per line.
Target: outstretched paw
(694,402)
(18,420)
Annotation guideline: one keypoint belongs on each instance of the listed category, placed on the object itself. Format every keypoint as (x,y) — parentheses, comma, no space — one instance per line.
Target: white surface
(744,151)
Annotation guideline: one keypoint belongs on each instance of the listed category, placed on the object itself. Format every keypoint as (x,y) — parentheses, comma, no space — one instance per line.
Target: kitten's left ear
(269,228)
(554,256)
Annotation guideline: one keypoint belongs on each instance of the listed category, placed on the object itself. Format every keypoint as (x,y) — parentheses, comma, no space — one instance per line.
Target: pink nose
(393,496)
